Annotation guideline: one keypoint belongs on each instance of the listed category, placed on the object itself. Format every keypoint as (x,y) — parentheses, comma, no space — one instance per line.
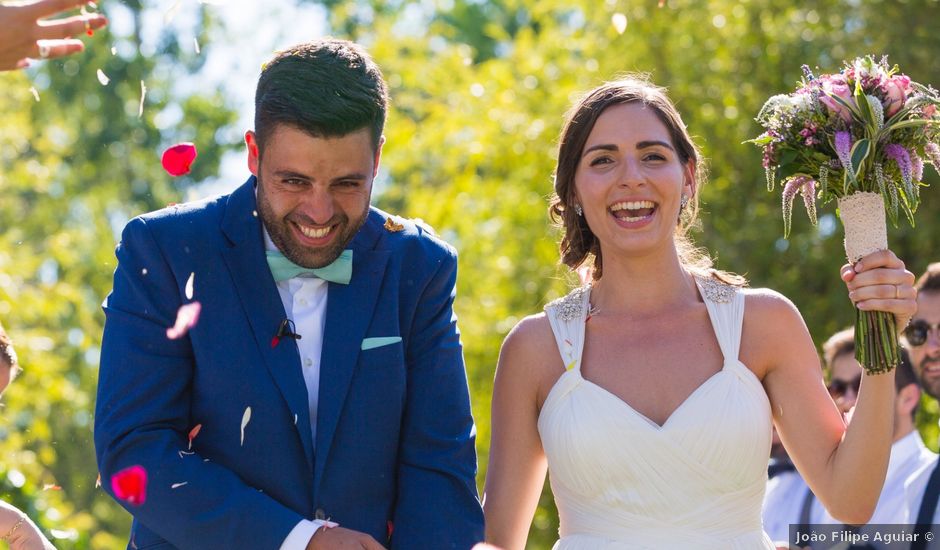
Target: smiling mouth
(632,211)
(314,232)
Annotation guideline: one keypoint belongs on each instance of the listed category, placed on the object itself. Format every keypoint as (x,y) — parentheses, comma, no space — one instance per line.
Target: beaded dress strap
(726,311)
(567,316)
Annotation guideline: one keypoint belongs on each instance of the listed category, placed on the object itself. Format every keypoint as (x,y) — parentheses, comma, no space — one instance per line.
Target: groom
(323,382)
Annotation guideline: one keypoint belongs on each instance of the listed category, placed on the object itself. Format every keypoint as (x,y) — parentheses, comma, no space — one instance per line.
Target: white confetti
(171,13)
(620,22)
(143,271)
(103,78)
(35,92)
(189,286)
(245,418)
(196,44)
(113,50)
(143,94)
(185,453)
(178,485)
(295,420)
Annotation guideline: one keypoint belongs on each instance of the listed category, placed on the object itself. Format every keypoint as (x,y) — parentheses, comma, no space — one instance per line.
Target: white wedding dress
(621,482)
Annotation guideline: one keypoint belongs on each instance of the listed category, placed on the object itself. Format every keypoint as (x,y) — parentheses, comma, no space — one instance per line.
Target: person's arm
(844,467)
(517,464)
(24,36)
(437,504)
(143,416)
(19,531)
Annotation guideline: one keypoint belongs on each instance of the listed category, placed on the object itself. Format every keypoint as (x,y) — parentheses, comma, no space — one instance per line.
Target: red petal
(178,158)
(193,433)
(130,485)
(275,341)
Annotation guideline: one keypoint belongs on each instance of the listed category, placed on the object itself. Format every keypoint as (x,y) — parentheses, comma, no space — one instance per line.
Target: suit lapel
(262,304)
(349,311)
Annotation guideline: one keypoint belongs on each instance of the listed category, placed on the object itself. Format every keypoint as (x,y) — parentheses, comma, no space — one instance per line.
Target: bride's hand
(880,282)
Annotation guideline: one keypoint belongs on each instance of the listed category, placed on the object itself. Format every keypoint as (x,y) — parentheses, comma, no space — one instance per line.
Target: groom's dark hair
(327,88)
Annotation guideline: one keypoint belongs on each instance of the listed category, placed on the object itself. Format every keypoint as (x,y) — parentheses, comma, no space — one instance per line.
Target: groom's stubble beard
(279,230)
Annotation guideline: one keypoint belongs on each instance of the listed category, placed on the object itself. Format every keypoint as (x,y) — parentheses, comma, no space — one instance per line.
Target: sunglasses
(916,333)
(837,388)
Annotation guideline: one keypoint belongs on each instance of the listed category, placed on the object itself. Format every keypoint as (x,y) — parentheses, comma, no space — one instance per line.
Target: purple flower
(932,150)
(917,165)
(809,198)
(844,148)
(900,155)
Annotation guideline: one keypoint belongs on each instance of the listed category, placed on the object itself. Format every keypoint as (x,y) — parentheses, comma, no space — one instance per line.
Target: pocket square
(370,343)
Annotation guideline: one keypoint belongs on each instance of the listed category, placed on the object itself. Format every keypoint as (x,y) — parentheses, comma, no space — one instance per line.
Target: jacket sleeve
(437,504)
(143,416)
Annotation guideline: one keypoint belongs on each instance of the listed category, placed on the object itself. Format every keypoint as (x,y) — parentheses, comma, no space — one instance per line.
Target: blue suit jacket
(395,439)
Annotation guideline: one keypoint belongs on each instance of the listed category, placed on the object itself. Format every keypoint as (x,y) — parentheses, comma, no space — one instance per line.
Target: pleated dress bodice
(623,482)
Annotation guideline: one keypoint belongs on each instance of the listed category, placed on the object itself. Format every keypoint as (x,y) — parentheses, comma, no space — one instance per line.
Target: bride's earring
(577,210)
(683,202)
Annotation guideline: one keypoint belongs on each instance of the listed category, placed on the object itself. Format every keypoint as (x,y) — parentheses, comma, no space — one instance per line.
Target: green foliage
(74,167)
(478,90)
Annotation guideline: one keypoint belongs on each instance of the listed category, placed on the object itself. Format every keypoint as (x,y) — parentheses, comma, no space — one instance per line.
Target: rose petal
(193,433)
(620,22)
(103,78)
(143,95)
(186,318)
(245,419)
(178,485)
(177,159)
(189,286)
(130,485)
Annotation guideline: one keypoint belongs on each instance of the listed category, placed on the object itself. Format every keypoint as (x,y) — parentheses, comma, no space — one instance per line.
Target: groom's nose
(318,204)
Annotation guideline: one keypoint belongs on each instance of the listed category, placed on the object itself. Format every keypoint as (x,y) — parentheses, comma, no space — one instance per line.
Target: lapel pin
(392,226)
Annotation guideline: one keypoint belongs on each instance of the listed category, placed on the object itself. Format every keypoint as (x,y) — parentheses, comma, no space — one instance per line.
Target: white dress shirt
(783,502)
(914,490)
(304,300)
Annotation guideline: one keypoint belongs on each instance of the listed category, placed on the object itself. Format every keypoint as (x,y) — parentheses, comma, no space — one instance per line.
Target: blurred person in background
(15,528)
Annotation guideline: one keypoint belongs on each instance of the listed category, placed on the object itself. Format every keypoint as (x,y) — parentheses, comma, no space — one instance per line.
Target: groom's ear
(251,141)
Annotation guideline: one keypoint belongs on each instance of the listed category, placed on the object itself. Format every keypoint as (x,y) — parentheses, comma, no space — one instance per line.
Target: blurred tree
(479,89)
(75,164)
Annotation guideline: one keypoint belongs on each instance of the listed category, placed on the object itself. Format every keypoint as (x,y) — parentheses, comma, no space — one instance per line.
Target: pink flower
(178,158)
(930,110)
(836,85)
(130,485)
(896,89)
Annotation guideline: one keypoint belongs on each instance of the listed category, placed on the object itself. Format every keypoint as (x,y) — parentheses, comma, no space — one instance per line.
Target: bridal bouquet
(859,137)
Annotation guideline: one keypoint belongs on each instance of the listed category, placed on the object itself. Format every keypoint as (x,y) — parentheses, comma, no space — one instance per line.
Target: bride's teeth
(314,233)
(632,205)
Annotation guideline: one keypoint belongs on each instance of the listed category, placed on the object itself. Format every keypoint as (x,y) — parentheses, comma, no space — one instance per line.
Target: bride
(649,393)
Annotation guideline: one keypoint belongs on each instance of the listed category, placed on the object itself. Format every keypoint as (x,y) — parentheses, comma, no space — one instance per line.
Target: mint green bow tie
(340,271)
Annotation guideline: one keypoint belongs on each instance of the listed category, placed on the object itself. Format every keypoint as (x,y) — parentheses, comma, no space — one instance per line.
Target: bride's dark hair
(579,244)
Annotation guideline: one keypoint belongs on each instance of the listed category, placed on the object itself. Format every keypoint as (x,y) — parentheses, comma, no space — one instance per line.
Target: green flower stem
(876,341)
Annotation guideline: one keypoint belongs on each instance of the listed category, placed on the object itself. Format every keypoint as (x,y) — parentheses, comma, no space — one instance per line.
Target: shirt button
(302,301)
(308,362)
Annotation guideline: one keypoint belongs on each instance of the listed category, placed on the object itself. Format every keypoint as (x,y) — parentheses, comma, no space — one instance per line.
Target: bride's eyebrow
(601,147)
(654,143)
